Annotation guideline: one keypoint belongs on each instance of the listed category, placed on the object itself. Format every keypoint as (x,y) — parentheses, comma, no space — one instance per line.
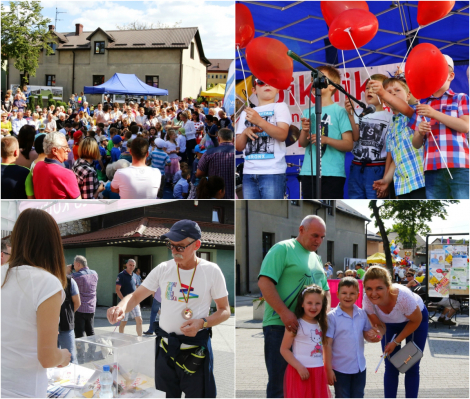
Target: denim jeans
(66,340)
(412,375)
(264,186)
(439,185)
(275,363)
(153,315)
(350,385)
(361,179)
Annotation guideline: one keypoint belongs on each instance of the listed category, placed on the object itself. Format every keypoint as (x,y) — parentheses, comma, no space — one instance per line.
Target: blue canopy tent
(123,83)
(302,28)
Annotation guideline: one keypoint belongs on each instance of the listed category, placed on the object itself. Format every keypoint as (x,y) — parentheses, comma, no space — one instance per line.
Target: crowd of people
(152,149)
(395,153)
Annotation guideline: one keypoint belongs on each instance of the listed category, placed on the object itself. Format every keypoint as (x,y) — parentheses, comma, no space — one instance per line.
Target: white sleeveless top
(406,304)
(307,347)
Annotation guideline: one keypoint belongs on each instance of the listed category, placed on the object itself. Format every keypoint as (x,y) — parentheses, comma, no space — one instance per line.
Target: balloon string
(296,103)
(440,153)
(349,33)
(243,71)
(344,67)
(409,48)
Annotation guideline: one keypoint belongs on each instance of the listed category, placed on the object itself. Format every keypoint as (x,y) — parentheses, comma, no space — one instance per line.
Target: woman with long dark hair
(32,287)
(25,142)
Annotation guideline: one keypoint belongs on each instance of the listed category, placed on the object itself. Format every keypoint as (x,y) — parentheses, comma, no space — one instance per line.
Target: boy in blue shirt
(181,189)
(336,140)
(348,326)
(116,150)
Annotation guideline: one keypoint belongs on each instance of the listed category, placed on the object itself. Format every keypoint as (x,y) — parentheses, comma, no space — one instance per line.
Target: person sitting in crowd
(13,176)
(25,141)
(211,188)
(38,145)
(6,125)
(51,179)
(110,172)
(17,121)
(84,169)
(137,181)
(339,274)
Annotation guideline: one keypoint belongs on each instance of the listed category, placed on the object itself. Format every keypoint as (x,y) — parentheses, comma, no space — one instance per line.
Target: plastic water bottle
(106,382)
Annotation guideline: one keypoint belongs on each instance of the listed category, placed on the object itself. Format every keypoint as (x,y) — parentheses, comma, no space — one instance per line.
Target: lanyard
(186,299)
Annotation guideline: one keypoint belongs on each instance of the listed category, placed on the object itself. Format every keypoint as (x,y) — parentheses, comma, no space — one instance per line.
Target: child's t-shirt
(307,347)
(348,340)
(409,174)
(177,176)
(159,160)
(115,154)
(370,147)
(109,147)
(181,141)
(334,123)
(182,187)
(265,156)
(453,144)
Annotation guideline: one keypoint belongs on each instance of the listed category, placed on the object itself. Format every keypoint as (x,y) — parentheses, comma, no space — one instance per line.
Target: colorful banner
(44,91)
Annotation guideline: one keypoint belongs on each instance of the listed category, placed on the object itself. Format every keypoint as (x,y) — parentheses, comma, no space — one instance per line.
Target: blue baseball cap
(199,149)
(117,139)
(183,229)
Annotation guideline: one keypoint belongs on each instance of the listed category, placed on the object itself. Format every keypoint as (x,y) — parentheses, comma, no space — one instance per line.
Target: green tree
(24,35)
(410,218)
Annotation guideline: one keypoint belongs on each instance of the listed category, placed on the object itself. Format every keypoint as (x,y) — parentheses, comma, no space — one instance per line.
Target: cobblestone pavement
(446,354)
(223,346)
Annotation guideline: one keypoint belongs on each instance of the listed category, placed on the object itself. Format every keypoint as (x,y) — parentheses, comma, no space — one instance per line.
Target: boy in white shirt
(261,132)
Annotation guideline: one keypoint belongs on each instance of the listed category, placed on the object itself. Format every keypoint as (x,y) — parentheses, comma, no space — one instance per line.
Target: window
(212,76)
(268,239)
(217,76)
(294,203)
(225,76)
(407,244)
(192,50)
(355,251)
(99,47)
(152,80)
(208,76)
(330,251)
(98,80)
(204,255)
(53,46)
(50,80)
(217,215)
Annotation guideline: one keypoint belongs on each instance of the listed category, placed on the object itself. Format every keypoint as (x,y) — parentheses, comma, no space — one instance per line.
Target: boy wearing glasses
(188,285)
(261,135)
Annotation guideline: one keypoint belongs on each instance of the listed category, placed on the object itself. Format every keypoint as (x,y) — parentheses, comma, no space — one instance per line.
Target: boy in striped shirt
(160,159)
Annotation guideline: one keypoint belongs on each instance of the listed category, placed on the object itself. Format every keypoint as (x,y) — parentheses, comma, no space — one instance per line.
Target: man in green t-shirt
(360,271)
(288,267)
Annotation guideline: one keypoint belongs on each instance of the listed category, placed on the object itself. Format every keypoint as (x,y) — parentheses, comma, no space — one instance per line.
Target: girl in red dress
(305,374)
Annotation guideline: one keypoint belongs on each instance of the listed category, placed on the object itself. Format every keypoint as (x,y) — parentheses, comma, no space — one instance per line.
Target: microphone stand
(319,81)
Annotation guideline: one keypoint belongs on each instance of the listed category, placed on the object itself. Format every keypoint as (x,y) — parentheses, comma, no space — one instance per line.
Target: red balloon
(431,11)
(363,24)
(331,9)
(268,61)
(426,70)
(244,26)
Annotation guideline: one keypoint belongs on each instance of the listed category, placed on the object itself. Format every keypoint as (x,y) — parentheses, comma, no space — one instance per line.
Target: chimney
(51,27)
(78,29)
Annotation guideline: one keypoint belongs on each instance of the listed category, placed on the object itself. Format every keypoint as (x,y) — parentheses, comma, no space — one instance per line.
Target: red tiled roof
(153,228)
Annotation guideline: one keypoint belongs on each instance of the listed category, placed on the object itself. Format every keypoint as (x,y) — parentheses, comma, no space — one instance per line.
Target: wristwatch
(205,323)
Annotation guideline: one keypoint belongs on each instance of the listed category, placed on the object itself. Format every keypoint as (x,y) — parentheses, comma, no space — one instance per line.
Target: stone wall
(75,227)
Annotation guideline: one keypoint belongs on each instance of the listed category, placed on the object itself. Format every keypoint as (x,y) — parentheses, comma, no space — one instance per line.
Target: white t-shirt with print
(26,288)
(406,304)
(266,155)
(307,347)
(372,132)
(137,182)
(208,284)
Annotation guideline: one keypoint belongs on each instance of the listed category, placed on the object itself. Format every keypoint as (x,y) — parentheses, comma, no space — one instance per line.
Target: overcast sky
(215,19)
(457,217)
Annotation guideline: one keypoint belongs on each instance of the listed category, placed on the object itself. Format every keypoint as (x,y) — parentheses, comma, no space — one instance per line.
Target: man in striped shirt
(160,159)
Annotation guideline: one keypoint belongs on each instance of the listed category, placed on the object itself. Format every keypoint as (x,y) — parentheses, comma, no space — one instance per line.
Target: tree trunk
(383,233)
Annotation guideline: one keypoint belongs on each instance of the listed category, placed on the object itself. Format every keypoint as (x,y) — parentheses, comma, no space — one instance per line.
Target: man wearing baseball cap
(188,286)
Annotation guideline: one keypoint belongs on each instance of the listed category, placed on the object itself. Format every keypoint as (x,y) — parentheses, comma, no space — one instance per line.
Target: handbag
(407,356)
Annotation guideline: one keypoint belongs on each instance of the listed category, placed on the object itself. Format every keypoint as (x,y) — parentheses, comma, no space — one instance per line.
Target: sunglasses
(260,83)
(178,248)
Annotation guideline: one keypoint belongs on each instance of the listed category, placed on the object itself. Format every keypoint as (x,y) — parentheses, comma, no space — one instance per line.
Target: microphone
(369,110)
